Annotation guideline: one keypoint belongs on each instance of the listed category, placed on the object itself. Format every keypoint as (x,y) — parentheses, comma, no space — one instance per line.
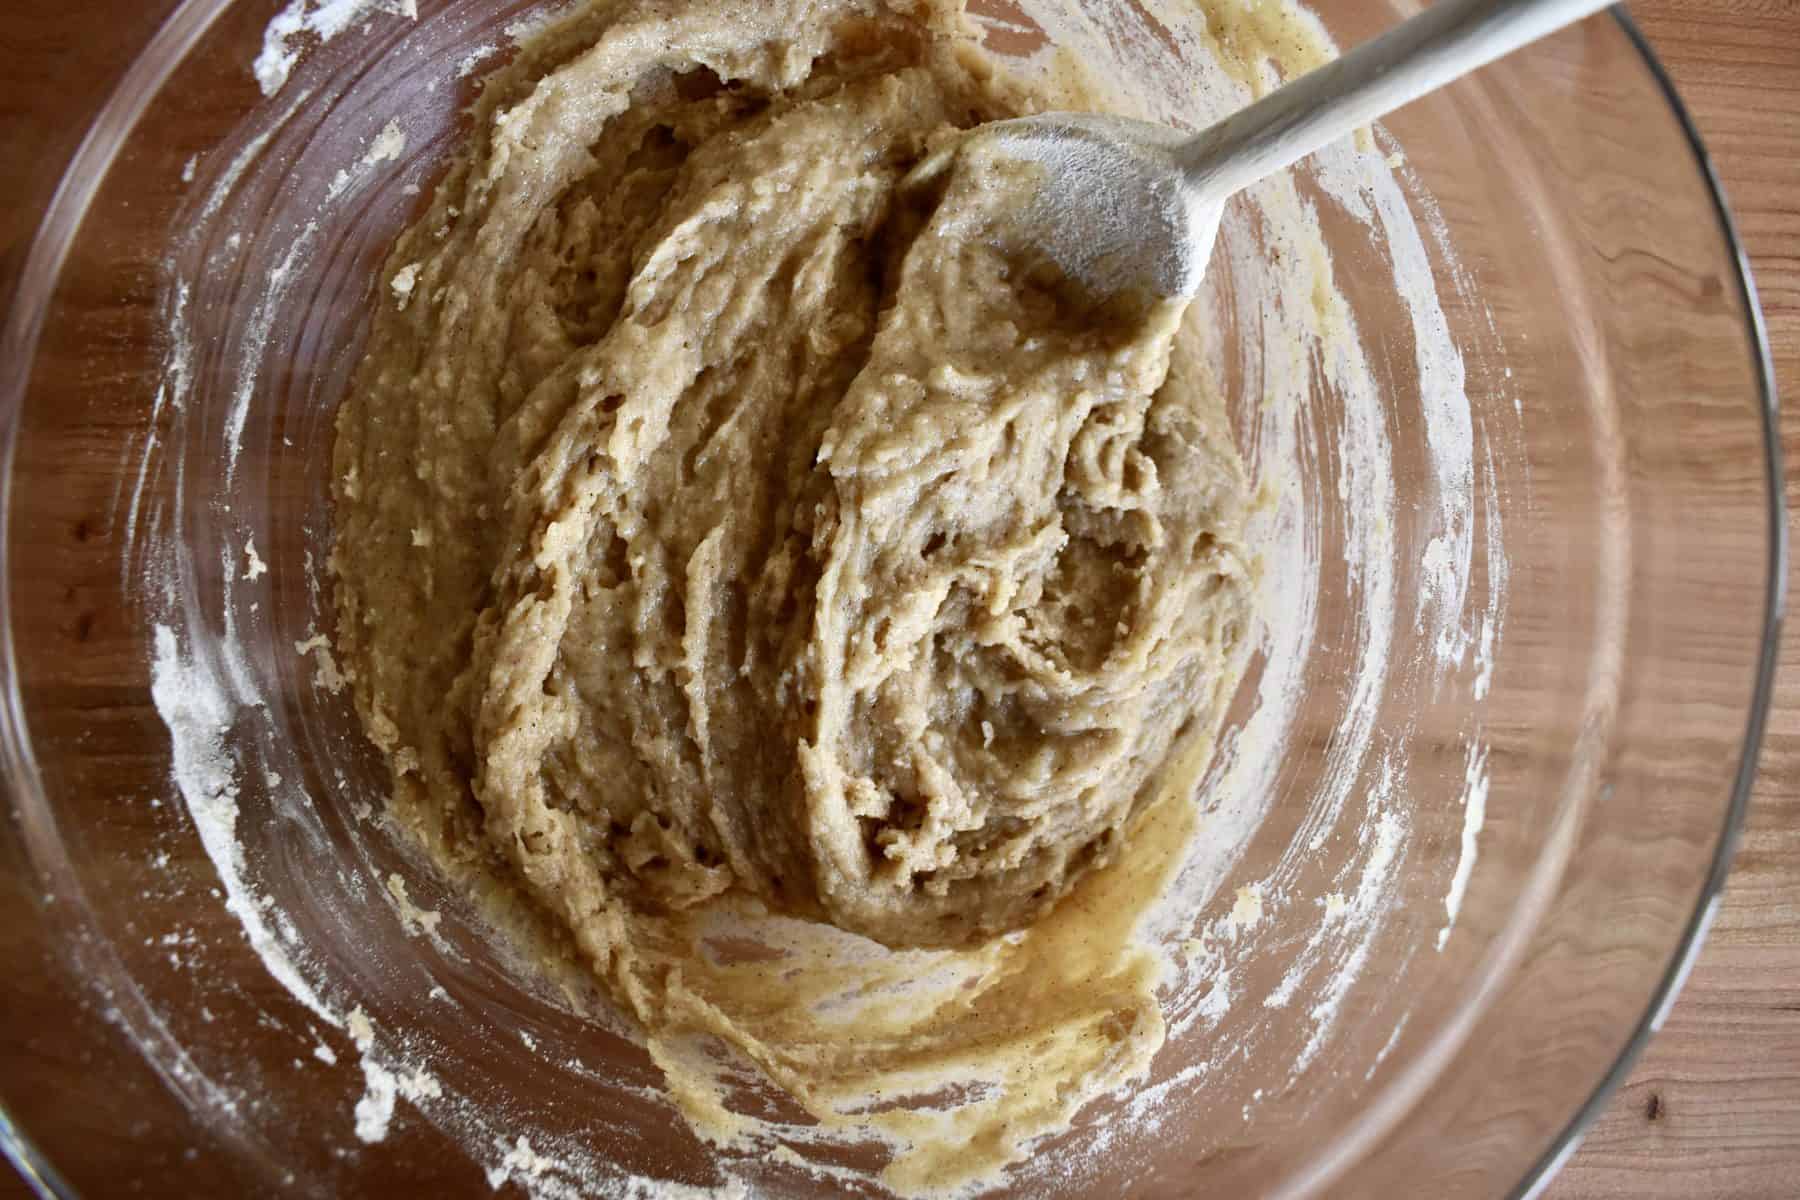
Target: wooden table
(1713,1108)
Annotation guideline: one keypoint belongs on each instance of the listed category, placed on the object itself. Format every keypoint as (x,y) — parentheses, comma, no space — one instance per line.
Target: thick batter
(726,536)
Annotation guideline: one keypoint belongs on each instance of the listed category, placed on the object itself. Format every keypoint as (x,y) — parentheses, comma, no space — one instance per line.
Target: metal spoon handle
(1420,55)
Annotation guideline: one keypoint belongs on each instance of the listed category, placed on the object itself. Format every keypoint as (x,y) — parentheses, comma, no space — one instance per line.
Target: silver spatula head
(1129,206)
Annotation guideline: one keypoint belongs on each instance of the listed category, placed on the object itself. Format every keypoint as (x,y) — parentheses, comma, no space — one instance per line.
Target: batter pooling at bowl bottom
(730,546)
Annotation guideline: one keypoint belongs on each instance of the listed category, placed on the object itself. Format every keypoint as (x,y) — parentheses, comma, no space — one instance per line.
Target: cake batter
(727,538)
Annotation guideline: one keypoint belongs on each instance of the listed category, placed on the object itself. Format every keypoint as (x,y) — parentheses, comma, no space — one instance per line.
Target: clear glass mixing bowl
(1538,739)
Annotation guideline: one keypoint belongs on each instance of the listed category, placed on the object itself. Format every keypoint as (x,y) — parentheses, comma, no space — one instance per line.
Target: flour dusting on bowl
(1316,420)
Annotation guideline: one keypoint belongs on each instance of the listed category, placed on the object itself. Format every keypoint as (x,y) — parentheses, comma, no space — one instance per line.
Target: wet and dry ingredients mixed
(729,539)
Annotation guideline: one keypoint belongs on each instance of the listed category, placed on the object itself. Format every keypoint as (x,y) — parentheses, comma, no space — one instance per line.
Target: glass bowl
(1524,559)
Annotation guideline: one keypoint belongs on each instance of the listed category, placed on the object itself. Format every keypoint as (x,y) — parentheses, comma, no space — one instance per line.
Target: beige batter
(728,544)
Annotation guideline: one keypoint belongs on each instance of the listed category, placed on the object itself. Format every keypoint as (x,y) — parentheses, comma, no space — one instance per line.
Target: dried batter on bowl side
(731,545)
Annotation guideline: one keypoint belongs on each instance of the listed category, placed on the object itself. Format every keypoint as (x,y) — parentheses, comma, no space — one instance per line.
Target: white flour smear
(285,37)
(1474,801)
(1312,818)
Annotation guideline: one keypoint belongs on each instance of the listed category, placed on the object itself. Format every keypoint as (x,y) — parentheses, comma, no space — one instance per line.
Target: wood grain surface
(1713,1107)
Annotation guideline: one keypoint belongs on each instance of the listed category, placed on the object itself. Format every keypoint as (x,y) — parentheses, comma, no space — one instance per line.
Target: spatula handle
(1420,55)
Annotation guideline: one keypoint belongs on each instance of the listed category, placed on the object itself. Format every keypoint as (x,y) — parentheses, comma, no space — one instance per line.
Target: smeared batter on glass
(730,545)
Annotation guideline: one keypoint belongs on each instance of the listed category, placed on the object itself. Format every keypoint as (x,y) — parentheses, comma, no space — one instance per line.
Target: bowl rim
(189,20)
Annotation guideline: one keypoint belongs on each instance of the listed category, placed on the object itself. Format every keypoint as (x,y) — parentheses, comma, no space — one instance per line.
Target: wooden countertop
(1713,1108)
